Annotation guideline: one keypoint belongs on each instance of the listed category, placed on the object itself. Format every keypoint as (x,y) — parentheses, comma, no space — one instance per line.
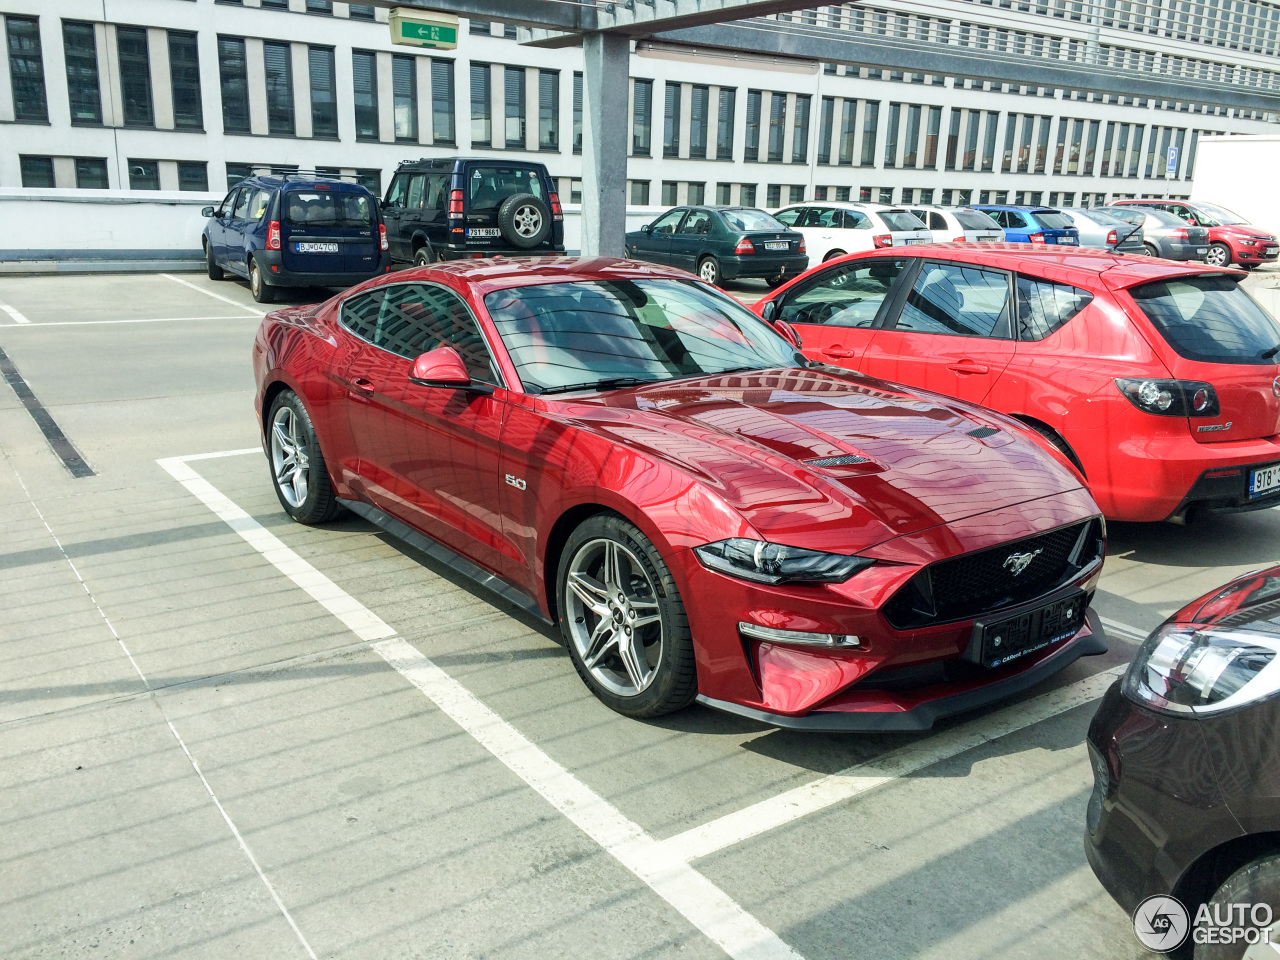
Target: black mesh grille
(845,461)
(968,586)
(981,433)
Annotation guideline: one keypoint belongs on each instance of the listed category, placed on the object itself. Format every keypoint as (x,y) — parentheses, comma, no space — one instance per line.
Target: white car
(959,224)
(832,228)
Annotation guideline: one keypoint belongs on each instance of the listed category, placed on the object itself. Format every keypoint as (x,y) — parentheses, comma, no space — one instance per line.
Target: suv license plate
(1264,480)
(316,247)
(483,232)
(776,245)
(1006,640)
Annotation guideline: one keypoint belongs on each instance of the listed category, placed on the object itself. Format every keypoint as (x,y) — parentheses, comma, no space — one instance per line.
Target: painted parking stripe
(17,317)
(216,296)
(784,808)
(1124,631)
(95,323)
(700,901)
(57,440)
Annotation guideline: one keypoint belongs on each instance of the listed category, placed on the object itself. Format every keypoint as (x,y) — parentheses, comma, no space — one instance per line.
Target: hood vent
(981,433)
(847,460)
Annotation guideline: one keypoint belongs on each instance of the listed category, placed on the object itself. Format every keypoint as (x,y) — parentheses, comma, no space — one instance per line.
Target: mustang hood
(827,459)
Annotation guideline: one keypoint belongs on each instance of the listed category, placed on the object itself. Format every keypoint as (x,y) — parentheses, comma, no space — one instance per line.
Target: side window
(396,192)
(789,217)
(699,221)
(849,295)
(1045,307)
(360,314)
(937,221)
(668,222)
(416,184)
(1016,219)
(812,217)
(853,220)
(259,204)
(958,299)
(416,318)
(228,204)
(242,203)
(437,191)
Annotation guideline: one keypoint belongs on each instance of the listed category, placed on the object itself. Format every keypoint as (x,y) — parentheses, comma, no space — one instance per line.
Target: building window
(642,119)
(970,157)
(36,171)
(26,72)
(1177,146)
(773,195)
(324,92)
(864,194)
(797,193)
(1010,135)
(577,112)
(575,191)
(826,120)
(669,193)
(747,195)
(1042,144)
(278,62)
(777,125)
(1059,156)
(1091,148)
(1073,153)
(442,130)
(931,138)
(508,31)
(184,78)
(723,192)
(144,175)
(135,77)
(91,173)
(870,121)
(953,140)
(323,7)
(671,123)
(275,4)
(886,194)
(81,51)
(1151,152)
(549,110)
(989,144)
(842,193)
(1135,150)
(639,193)
(361,11)
(513,95)
(699,121)
(724,125)
(364,78)
(479,28)
(848,121)
(752,152)
(481,105)
(193,176)
(891,135)
(800,130)
(371,180)
(404,89)
(234,76)
(1190,166)
(910,152)
(1024,145)
(697,192)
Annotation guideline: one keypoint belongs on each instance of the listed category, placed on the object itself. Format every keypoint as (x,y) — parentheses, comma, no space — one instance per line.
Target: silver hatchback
(1102,231)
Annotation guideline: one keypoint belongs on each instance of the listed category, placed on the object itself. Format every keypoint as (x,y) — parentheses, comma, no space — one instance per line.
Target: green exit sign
(424,28)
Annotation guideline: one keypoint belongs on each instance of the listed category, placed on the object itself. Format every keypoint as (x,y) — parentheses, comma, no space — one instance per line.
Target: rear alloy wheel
(623,621)
(423,257)
(257,286)
(1219,255)
(1152,249)
(1255,883)
(832,255)
(215,271)
(709,271)
(298,471)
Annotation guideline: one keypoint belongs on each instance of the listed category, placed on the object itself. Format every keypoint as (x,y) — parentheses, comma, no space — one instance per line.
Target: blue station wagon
(1033,224)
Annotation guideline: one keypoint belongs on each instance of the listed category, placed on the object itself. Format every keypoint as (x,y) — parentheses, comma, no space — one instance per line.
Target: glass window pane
(754,100)
(481,130)
(442,116)
(777,125)
(26,70)
(324,93)
(870,122)
(548,109)
(184,79)
(724,132)
(404,87)
(671,121)
(36,171)
(1044,307)
(80,45)
(233,72)
(91,173)
(577,112)
(135,76)
(144,175)
(278,60)
(364,70)
(415,318)
(641,118)
(193,175)
(843,296)
(957,299)
(699,106)
(800,130)
(513,99)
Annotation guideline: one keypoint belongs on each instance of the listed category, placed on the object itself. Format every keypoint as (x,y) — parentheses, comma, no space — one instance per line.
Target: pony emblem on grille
(1015,563)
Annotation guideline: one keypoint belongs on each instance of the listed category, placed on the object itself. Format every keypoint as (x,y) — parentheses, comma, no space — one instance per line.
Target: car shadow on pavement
(1207,540)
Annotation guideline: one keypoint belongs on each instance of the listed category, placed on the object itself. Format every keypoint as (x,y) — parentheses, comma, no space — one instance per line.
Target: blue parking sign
(1171,167)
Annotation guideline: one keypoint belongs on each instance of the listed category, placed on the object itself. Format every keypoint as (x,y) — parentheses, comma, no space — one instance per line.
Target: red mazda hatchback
(631,454)
(1160,381)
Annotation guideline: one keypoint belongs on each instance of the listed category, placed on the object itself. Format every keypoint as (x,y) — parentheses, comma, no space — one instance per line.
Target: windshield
(580,335)
(975,220)
(331,209)
(1210,319)
(1212,215)
(752,220)
(1052,219)
(901,220)
(491,185)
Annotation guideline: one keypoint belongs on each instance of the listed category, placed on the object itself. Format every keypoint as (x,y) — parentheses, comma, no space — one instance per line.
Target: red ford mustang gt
(631,454)
(1158,379)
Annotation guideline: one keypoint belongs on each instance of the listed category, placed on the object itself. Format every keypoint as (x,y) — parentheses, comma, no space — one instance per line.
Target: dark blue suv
(1033,224)
(296,231)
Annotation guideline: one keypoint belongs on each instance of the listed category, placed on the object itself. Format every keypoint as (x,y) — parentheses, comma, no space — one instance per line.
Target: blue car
(296,231)
(1032,224)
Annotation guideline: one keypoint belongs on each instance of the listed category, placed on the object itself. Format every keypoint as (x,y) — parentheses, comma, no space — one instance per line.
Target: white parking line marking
(17,317)
(835,788)
(216,296)
(700,901)
(1125,632)
(91,323)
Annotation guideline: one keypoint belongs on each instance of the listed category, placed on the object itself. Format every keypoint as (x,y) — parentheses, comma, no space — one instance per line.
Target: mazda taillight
(1113,237)
(273,235)
(744,246)
(1171,398)
(455,205)
(557,213)
(382,237)
(883,240)
(1036,238)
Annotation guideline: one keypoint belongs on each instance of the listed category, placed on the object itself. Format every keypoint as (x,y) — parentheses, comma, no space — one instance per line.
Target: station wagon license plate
(1264,480)
(483,232)
(777,245)
(1006,640)
(906,240)
(1067,240)
(316,247)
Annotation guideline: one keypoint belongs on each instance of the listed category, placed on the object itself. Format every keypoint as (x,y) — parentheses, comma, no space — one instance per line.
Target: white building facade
(191,95)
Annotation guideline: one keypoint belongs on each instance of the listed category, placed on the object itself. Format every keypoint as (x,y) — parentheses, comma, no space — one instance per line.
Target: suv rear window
(1210,319)
(1052,219)
(900,220)
(491,185)
(973,220)
(329,208)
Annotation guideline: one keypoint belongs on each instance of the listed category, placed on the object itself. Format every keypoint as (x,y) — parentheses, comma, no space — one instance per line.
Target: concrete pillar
(168,170)
(64,172)
(300,62)
(109,55)
(161,84)
(604,143)
(686,126)
(255,68)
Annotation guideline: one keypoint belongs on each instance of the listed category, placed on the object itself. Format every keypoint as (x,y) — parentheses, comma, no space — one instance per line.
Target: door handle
(968,366)
(837,350)
(363,385)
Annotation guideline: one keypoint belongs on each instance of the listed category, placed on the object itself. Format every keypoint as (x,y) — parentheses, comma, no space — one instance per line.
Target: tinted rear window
(973,220)
(1209,319)
(901,220)
(489,186)
(1052,219)
(751,220)
(330,208)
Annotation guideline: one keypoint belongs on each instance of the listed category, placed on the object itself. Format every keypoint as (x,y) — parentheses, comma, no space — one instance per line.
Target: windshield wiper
(1268,354)
(609,383)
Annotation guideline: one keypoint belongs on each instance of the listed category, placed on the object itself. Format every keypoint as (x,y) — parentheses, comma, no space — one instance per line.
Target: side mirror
(789,333)
(647,228)
(207,212)
(769,310)
(443,367)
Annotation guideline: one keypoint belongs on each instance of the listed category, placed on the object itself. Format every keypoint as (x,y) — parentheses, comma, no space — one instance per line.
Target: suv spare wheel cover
(524,220)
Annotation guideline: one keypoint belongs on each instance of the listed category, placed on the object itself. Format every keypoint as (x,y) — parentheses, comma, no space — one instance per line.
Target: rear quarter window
(1053,220)
(1209,319)
(901,221)
(1045,307)
(974,220)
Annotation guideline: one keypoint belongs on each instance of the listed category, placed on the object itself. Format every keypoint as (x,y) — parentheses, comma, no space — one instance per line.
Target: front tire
(258,286)
(709,271)
(1257,882)
(298,470)
(623,621)
(1219,255)
(215,271)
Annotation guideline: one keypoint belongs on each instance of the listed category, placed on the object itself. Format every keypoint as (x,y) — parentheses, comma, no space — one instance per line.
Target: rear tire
(298,471)
(258,286)
(709,271)
(775,281)
(1257,882)
(1152,249)
(215,271)
(1219,255)
(423,256)
(831,255)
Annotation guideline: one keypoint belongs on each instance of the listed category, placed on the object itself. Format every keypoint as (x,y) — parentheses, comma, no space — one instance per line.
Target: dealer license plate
(316,247)
(1272,251)
(777,245)
(1006,640)
(1264,480)
(483,232)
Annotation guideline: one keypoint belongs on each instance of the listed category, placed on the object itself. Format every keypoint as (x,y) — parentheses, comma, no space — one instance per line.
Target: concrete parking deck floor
(198,758)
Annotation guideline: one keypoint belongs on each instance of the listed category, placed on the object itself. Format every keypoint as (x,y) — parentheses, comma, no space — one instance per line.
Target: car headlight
(766,562)
(1185,671)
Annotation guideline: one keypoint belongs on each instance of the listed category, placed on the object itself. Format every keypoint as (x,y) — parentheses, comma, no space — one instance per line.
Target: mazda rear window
(1052,219)
(901,220)
(329,209)
(1210,319)
(973,220)
(489,186)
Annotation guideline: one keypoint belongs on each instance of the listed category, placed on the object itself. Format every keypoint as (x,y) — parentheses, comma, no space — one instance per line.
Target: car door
(218,225)
(655,245)
(953,332)
(690,242)
(233,253)
(357,367)
(824,233)
(835,310)
(435,458)
(393,209)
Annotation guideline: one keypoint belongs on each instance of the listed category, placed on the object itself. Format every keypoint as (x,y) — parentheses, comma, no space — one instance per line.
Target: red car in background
(1160,381)
(1232,239)
(629,453)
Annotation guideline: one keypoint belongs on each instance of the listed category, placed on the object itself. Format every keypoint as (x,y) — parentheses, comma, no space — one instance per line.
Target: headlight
(776,563)
(1184,671)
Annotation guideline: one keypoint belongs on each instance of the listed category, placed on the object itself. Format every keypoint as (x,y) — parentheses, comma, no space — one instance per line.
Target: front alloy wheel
(257,286)
(298,470)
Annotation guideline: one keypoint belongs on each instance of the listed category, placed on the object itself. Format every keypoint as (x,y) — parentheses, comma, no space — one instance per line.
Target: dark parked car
(1186,764)
(1165,235)
(722,243)
(295,231)
(1032,224)
(449,207)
